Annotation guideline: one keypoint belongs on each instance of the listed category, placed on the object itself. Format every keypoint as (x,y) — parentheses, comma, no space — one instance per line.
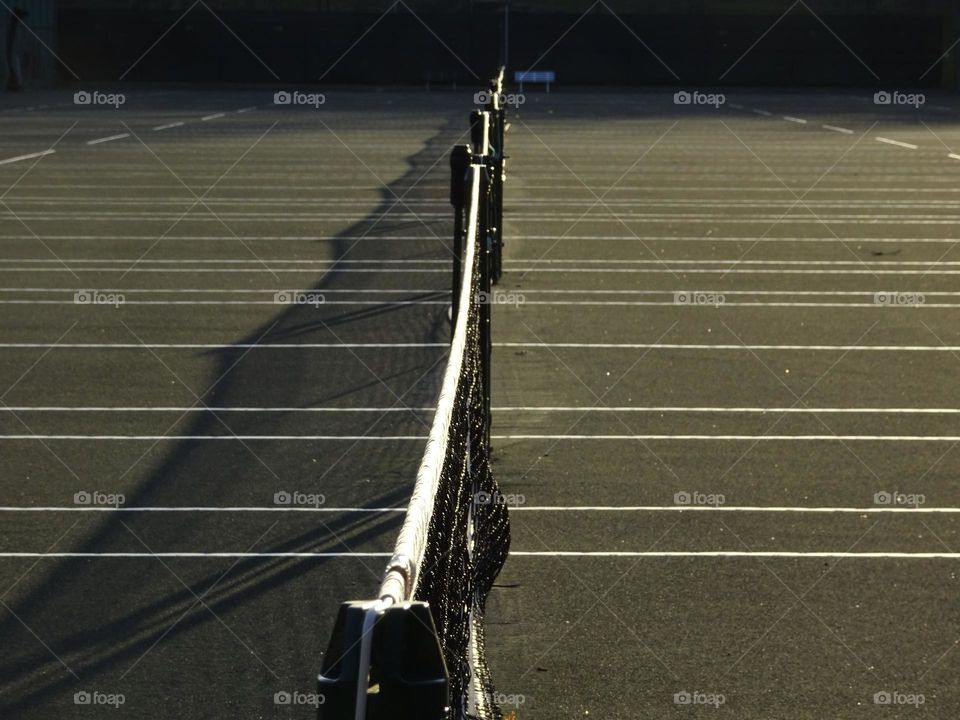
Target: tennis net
(419,649)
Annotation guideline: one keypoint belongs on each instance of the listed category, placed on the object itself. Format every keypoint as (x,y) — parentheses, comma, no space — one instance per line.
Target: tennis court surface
(724,408)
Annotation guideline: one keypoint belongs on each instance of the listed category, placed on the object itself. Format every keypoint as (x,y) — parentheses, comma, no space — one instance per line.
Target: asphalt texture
(689,308)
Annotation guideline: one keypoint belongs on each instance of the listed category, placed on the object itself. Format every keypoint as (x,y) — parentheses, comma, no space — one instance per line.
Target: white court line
(778,410)
(515,553)
(790,118)
(508,305)
(195,408)
(402,438)
(384,303)
(168,126)
(953,155)
(758,111)
(322,264)
(837,128)
(775,438)
(888,141)
(701,346)
(619,303)
(520,508)
(590,346)
(533,269)
(371,291)
(446,291)
(574,238)
(215,116)
(229,261)
(445,263)
(208,509)
(247,270)
(500,408)
(224,346)
(31,156)
(111,138)
(739,553)
(241,111)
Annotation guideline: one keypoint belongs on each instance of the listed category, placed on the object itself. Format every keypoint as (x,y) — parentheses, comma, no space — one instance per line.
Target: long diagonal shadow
(103,616)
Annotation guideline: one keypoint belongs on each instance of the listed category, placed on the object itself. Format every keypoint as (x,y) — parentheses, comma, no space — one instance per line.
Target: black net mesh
(469,533)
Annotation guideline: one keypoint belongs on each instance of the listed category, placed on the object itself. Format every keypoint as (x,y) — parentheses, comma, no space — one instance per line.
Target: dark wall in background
(302,48)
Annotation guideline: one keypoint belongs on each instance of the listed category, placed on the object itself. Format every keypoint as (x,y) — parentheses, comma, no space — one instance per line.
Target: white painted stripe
(629,303)
(326,291)
(241,111)
(226,346)
(546,261)
(534,269)
(574,238)
(837,128)
(775,438)
(263,269)
(746,554)
(585,345)
(520,508)
(795,119)
(168,126)
(778,410)
(205,438)
(195,408)
(446,291)
(229,261)
(204,509)
(501,408)
(888,141)
(758,111)
(508,306)
(392,438)
(30,156)
(215,116)
(383,303)
(669,238)
(678,346)
(515,553)
(111,138)
(730,508)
